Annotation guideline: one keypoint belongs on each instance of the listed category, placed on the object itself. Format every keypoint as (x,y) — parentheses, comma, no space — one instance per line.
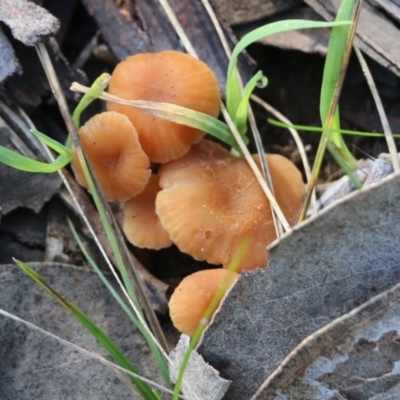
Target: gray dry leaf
(355,357)
(9,63)
(377,35)
(34,366)
(28,22)
(202,378)
(325,268)
(239,11)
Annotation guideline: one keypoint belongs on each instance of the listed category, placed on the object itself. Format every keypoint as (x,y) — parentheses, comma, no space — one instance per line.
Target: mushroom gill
(112,146)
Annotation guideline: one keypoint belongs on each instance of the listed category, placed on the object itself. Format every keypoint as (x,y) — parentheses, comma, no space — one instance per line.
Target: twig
(56,88)
(297,140)
(382,115)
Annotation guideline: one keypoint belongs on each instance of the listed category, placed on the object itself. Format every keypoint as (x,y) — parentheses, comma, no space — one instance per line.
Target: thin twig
(297,140)
(95,238)
(56,88)
(256,171)
(178,28)
(382,115)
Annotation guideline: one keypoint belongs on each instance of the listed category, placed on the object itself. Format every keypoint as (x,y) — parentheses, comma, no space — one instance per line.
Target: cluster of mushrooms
(203,199)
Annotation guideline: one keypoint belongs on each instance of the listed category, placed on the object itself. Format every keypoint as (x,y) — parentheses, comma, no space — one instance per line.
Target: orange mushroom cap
(194,294)
(112,146)
(169,77)
(141,224)
(211,202)
(288,184)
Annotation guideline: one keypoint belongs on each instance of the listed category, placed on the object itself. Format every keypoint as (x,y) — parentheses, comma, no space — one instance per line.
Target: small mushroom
(194,294)
(169,77)
(112,146)
(141,224)
(211,202)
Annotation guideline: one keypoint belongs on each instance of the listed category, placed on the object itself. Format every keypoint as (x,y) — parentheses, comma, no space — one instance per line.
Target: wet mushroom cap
(112,146)
(194,294)
(211,202)
(169,77)
(141,224)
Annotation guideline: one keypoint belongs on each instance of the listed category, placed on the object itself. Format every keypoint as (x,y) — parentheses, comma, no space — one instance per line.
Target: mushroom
(169,77)
(141,224)
(194,294)
(112,146)
(211,202)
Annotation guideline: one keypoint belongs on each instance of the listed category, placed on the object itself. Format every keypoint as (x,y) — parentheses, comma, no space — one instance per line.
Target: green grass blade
(97,88)
(233,92)
(23,163)
(320,129)
(333,62)
(242,111)
(53,144)
(332,71)
(347,170)
(158,357)
(94,330)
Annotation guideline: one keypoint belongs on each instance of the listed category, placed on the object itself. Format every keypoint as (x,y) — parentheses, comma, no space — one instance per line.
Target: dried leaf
(355,356)
(23,233)
(377,35)
(34,366)
(392,7)
(119,29)
(28,22)
(199,28)
(239,11)
(9,64)
(201,377)
(306,40)
(325,268)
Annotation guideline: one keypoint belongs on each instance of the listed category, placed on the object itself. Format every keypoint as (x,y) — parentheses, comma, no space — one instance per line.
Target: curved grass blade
(23,163)
(233,92)
(242,111)
(94,330)
(53,144)
(97,88)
